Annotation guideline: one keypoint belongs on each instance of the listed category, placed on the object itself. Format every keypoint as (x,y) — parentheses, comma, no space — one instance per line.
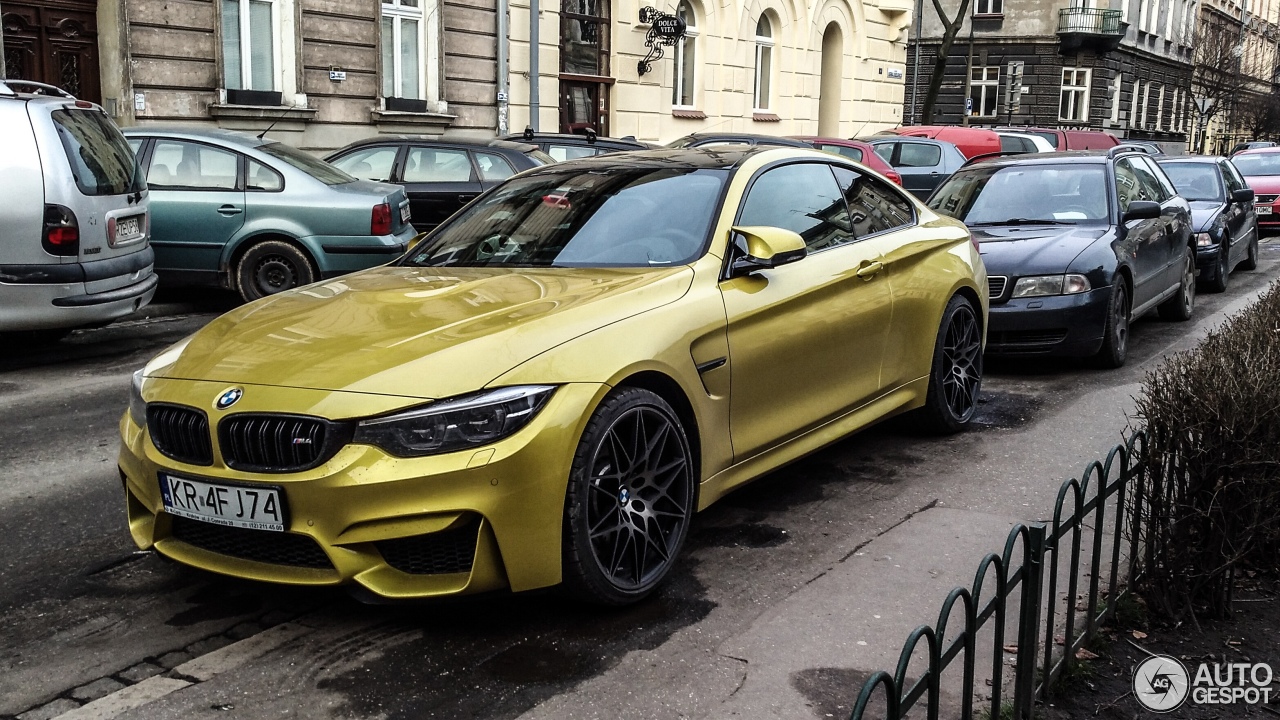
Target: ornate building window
(764,65)
(686,60)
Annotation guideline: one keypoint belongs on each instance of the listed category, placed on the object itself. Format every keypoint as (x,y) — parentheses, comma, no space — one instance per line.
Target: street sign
(968,106)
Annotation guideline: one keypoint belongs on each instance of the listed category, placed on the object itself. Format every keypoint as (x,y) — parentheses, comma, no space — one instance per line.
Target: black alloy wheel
(1115,336)
(1250,262)
(956,376)
(1182,304)
(270,267)
(1222,270)
(630,499)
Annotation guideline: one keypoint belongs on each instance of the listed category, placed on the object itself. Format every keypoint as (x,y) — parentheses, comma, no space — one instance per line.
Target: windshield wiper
(1021,221)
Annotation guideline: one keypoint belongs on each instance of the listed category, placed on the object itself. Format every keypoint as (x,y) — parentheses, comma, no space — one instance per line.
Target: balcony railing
(1089,21)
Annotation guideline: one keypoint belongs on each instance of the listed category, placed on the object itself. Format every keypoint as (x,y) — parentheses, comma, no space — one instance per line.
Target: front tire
(1115,336)
(1182,304)
(272,266)
(1222,272)
(1250,262)
(630,499)
(956,374)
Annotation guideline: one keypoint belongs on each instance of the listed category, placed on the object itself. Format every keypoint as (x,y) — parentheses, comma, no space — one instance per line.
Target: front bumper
(507,498)
(1207,261)
(1064,325)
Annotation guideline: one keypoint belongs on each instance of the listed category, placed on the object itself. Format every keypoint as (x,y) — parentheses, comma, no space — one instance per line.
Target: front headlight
(1041,285)
(137,406)
(1203,240)
(455,424)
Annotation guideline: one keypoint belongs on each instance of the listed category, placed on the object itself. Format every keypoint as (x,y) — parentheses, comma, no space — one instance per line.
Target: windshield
(315,167)
(1049,136)
(100,158)
(1267,163)
(1195,181)
(624,217)
(1021,193)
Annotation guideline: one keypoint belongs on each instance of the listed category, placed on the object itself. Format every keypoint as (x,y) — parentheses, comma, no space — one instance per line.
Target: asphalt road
(85,617)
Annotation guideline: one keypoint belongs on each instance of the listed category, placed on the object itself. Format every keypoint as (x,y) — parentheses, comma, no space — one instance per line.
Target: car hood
(1033,249)
(1203,213)
(1264,184)
(415,332)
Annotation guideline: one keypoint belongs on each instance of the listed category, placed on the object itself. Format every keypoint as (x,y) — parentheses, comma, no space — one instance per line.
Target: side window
(919,155)
(570,152)
(263,178)
(192,166)
(874,207)
(372,163)
(1234,181)
(1166,189)
(493,166)
(852,153)
(428,165)
(885,151)
(135,144)
(1127,185)
(1149,187)
(803,198)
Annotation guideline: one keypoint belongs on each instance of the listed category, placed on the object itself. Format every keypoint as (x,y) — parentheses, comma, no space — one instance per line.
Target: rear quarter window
(99,158)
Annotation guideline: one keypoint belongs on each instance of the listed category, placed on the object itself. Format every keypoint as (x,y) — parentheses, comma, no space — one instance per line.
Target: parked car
(439,176)
(1015,142)
(1150,147)
(855,150)
(542,391)
(259,216)
(701,139)
(1076,246)
(970,141)
(1251,145)
(567,146)
(1261,171)
(74,240)
(1067,139)
(1222,215)
(922,163)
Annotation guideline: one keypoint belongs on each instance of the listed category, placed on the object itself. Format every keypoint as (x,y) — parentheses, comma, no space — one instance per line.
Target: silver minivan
(74,224)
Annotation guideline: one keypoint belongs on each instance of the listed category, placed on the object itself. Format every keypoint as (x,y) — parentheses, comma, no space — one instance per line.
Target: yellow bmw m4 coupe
(545,389)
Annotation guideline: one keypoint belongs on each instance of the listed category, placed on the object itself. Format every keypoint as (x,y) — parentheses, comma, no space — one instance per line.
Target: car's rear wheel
(272,266)
(630,499)
(1250,262)
(1115,336)
(1182,304)
(1222,270)
(956,375)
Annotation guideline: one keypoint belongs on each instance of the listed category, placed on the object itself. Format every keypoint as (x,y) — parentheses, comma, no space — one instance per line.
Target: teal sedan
(258,216)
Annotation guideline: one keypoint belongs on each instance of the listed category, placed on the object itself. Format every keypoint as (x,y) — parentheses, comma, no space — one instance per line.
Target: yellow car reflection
(545,389)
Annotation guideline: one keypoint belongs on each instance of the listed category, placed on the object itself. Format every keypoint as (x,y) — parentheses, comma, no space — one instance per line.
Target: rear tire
(630,499)
(1182,304)
(1115,336)
(1222,271)
(271,266)
(1250,262)
(956,375)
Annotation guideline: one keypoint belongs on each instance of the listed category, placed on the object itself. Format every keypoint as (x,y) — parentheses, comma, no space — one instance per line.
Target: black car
(564,146)
(439,176)
(1076,245)
(700,139)
(1222,215)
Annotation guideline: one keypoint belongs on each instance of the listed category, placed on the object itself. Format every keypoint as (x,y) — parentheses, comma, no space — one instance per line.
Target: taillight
(61,231)
(893,176)
(380,223)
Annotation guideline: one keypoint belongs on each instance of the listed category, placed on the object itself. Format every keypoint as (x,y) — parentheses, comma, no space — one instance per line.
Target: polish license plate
(1264,210)
(404,213)
(255,508)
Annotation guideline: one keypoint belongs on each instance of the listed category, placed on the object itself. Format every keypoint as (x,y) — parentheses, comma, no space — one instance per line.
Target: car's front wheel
(272,266)
(1115,336)
(1222,271)
(630,499)
(956,374)
(1180,306)
(1250,262)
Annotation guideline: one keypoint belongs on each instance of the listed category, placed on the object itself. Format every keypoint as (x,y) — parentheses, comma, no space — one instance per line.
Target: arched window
(764,63)
(686,60)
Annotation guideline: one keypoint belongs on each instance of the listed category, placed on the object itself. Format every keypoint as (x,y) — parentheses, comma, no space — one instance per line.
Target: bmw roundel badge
(228,398)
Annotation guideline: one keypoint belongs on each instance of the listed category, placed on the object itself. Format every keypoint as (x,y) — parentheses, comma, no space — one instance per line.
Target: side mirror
(1243,195)
(1142,210)
(761,247)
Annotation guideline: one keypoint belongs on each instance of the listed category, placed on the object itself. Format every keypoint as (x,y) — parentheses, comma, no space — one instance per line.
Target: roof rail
(1128,147)
(1003,153)
(4,88)
(38,88)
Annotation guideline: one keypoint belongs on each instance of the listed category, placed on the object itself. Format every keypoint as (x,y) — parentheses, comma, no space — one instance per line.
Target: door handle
(229,210)
(870,270)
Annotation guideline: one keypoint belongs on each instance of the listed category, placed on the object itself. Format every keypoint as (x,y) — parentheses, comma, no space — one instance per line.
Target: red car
(1261,170)
(971,141)
(1069,139)
(855,150)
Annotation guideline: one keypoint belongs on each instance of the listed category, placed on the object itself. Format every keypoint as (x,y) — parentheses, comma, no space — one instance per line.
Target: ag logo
(228,398)
(1161,683)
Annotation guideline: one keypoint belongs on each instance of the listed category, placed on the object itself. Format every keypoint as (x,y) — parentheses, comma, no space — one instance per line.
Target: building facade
(1236,73)
(322,73)
(1124,68)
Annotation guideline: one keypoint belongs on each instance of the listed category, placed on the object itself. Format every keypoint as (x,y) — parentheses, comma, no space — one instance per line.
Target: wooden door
(55,44)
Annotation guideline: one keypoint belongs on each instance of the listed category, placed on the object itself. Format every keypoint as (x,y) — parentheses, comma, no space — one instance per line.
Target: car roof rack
(37,88)
(1127,147)
(1003,153)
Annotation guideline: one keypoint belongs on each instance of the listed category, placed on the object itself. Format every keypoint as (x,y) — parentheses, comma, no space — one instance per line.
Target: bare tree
(950,29)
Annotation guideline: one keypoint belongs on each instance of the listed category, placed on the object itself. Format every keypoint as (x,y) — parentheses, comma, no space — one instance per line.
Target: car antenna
(273,123)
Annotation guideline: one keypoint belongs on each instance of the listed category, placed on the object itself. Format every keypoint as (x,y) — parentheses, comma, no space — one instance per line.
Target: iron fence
(1091,21)
(1043,553)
